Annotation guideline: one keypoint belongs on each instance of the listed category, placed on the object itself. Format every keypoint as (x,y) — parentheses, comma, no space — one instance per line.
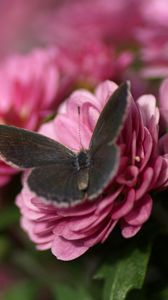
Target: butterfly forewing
(27,149)
(111,118)
(104,154)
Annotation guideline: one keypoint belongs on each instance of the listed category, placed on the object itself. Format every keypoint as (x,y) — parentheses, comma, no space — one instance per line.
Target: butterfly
(59,175)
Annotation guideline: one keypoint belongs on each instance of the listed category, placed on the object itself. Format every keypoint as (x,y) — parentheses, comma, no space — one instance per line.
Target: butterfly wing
(104,154)
(112,117)
(56,183)
(104,165)
(27,149)
(53,175)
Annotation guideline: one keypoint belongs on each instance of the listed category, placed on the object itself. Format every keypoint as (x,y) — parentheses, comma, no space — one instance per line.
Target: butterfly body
(83,160)
(82,164)
(57,174)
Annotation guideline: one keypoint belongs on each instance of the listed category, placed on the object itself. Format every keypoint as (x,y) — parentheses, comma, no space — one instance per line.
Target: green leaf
(21,291)
(62,292)
(138,295)
(9,216)
(48,118)
(125,273)
(163,295)
(32,267)
(4,246)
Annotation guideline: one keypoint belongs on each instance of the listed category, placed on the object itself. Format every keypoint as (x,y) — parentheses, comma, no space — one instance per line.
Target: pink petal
(129,231)
(141,212)
(104,91)
(121,209)
(67,250)
(145,182)
(148,107)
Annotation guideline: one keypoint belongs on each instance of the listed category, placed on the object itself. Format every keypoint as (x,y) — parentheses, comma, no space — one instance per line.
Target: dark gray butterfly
(59,175)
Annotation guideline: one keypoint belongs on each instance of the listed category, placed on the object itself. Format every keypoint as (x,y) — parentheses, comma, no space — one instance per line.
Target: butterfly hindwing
(27,149)
(104,165)
(56,183)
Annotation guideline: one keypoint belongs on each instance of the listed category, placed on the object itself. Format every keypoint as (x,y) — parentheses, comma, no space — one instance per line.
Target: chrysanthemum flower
(152,35)
(28,86)
(127,201)
(163,105)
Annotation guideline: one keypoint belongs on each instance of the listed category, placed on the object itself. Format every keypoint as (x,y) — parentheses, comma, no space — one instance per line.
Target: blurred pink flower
(74,23)
(101,46)
(65,23)
(29,86)
(70,232)
(152,36)
(20,34)
(163,104)
(95,62)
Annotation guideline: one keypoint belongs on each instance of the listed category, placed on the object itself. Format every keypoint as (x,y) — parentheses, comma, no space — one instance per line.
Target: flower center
(137,158)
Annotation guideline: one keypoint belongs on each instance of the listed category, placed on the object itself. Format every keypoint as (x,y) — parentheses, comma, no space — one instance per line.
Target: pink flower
(21,17)
(70,232)
(94,36)
(29,86)
(94,62)
(153,36)
(163,107)
(163,143)
(163,104)
(73,23)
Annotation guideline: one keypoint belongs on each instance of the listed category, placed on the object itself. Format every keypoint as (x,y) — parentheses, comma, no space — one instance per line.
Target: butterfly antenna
(79,131)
